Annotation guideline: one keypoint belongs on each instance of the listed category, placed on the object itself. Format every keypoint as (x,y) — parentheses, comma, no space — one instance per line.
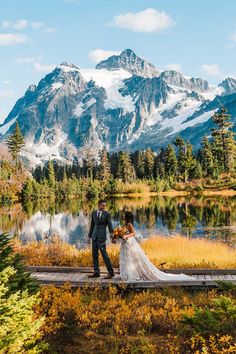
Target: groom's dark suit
(99,222)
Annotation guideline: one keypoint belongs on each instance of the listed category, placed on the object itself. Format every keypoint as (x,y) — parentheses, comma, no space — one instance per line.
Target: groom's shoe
(94,275)
(109,276)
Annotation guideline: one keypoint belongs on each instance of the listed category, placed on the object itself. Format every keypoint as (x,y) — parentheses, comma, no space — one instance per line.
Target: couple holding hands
(134,264)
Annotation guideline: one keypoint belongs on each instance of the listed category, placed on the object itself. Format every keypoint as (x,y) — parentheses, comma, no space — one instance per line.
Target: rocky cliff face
(129,61)
(125,103)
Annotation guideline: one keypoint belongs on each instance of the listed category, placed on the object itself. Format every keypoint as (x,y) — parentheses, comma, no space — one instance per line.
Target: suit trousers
(96,247)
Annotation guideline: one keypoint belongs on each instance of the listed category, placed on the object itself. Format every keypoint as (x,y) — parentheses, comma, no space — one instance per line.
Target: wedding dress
(135,265)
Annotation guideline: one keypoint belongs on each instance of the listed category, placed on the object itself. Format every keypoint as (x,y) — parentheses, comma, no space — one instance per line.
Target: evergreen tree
(114,161)
(149,163)
(28,189)
(138,161)
(15,142)
(223,141)
(21,280)
(51,174)
(19,329)
(186,159)
(126,170)
(170,161)
(196,172)
(89,164)
(207,158)
(104,172)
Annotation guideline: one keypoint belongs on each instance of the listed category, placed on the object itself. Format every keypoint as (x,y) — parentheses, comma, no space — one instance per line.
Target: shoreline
(175,193)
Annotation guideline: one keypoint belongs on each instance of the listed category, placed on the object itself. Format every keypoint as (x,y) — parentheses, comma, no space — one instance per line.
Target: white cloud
(25,60)
(37,25)
(8,39)
(212,70)
(49,30)
(174,66)
(20,24)
(149,20)
(233,37)
(6,24)
(97,55)
(43,68)
(6,93)
(6,82)
(35,64)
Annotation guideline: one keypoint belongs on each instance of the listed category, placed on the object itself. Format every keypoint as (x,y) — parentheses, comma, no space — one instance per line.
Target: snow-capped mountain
(124,103)
(130,62)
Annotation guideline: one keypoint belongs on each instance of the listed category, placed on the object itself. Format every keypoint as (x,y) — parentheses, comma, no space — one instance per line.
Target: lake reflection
(211,217)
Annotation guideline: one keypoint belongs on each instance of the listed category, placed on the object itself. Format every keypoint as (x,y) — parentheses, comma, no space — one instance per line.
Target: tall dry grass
(175,252)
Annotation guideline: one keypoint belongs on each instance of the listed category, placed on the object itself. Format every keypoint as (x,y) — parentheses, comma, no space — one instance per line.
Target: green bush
(19,330)
(218,318)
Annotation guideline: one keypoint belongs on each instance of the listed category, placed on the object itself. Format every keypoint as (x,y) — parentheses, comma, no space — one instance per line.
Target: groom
(100,219)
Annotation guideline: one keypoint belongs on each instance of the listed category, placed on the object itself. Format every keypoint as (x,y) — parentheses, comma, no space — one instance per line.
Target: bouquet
(118,232)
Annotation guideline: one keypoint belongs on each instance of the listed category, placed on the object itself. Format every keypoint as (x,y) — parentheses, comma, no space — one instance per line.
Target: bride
(134,264)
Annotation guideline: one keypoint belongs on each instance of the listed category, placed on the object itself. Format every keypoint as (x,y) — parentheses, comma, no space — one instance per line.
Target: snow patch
(213,92)
(112,82)
(178,123)
(84,106)
(56,85)
(68,67)
(38,152)
(7,126)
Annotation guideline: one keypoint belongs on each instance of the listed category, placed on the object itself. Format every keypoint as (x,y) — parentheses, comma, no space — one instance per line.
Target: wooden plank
(59,269)
(77,279)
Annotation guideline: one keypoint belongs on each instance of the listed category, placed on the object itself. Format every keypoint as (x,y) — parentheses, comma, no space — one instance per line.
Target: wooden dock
(79,277)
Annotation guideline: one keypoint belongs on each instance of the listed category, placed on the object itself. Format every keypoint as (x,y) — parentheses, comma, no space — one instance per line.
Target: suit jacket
(98,226)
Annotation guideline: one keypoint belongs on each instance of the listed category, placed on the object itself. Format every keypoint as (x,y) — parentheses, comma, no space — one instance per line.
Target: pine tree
(196,172)
(21,280)
(170,161)
(126,170)
(89,164)
(51,174)
(138,161)
(186,159)
(207,158)
(223,141)
(149,163)
(15,142)
(114,161)
(104,172)
(19,328)
(28,189)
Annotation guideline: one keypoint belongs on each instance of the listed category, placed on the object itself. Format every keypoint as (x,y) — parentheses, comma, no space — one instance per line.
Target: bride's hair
(129,217)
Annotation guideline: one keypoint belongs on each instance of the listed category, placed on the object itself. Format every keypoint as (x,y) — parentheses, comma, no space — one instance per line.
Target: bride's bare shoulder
(130,227)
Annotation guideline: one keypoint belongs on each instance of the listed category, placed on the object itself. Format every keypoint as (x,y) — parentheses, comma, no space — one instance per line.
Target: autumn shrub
(151,321)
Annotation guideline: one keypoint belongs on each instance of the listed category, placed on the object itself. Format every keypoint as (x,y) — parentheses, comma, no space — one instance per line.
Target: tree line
(111,171)
(215,156)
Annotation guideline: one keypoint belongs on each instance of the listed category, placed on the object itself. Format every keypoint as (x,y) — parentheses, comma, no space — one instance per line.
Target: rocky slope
(125,103)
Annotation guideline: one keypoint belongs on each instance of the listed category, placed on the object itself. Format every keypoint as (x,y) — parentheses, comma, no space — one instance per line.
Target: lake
(207,217)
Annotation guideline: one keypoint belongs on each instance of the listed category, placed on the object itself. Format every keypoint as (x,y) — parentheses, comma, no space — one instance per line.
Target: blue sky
(196,37)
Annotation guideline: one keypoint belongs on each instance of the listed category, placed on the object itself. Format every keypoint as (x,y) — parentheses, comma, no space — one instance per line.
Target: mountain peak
(67,67)
(229,85)
(175,78)
(130,62)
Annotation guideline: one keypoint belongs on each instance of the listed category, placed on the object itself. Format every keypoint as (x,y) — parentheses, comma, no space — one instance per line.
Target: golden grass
(176,252)
(181,252)
(223,192)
